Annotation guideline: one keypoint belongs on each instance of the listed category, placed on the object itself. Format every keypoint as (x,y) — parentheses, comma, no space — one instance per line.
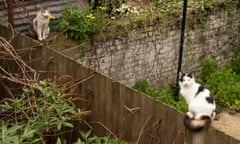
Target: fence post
(198,137)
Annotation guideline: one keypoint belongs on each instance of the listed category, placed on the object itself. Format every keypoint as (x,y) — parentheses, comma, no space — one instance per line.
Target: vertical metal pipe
(10,13)
(181,49)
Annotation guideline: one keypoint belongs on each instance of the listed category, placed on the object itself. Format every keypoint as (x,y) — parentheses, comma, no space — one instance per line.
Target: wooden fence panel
(117,109)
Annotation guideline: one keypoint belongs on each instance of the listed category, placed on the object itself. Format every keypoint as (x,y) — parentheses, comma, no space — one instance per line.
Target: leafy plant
(42,114)
(87,139)
(209,66)
(82,23)
(225,85)
(166,95)
(235,64)
(44,108)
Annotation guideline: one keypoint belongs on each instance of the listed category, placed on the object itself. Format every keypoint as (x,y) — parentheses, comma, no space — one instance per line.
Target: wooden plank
(123,127)
(180,129)
(98,107)
(115,102)
(159,116)
(128,115)
(163,124)
(210,136)
(198,137)
(143,118)
(107,93)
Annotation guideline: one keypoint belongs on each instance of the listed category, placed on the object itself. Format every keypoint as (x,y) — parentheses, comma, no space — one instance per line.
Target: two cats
(41,23)
(201,104)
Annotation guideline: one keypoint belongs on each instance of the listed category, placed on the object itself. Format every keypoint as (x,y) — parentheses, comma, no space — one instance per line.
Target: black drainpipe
(181,49)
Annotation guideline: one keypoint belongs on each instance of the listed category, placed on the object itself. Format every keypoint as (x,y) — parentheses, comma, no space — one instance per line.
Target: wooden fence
(118,109)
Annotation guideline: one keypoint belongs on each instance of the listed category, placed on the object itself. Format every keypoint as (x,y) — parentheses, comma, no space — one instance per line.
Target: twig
(111,133)
(132,110)
(140,134)
(25,74)
(81,81)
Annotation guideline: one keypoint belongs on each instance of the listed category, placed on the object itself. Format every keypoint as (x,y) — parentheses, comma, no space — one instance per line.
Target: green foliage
(235,64)
(169,8)
(41,109)
(17,134)
(223,83)
(87,139)
(82,23)
(209,66)
(166,95)
(203,11)
(54,25)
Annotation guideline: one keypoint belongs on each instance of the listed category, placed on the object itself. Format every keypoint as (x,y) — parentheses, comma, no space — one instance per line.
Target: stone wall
(152,52)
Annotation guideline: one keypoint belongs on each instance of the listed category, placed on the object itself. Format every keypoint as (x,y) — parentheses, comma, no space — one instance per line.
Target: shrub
(42,109)
(209,66)
(165,95)
(235,64)
(225,85)
(87,139)
(43,114)
(82,23)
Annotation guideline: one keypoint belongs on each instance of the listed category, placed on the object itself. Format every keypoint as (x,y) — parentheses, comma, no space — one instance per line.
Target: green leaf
(59,125)
(58,141)
(29,132)
(14,128)
(67,124)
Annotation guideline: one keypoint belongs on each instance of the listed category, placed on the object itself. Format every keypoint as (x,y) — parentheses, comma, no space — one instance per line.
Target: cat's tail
(196,124)
(34,24)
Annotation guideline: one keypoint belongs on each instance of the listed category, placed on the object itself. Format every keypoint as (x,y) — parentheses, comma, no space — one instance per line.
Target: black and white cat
(41,23)
(201,105)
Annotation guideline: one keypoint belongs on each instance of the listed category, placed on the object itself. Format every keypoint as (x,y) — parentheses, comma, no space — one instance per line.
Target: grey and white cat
(201,105)
(41,23)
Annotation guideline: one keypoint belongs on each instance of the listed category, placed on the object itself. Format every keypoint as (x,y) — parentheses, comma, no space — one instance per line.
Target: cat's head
(186,79)
(45,12)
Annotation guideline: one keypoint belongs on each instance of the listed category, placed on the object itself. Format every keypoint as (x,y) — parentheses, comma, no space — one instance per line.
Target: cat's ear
(42,10)
(191,74)
(180,73)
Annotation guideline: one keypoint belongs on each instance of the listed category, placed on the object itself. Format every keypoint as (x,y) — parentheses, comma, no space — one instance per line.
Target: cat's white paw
(40,39)
(190,115)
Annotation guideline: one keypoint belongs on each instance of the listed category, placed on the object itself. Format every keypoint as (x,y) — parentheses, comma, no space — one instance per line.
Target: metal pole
(181,48)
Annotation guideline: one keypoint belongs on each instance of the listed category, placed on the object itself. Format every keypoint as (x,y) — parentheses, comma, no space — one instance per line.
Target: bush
(43,114)
(224,83)
(235,64)
(209,66)
(82,23)
(165,95)
(42,109)
(87,139)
